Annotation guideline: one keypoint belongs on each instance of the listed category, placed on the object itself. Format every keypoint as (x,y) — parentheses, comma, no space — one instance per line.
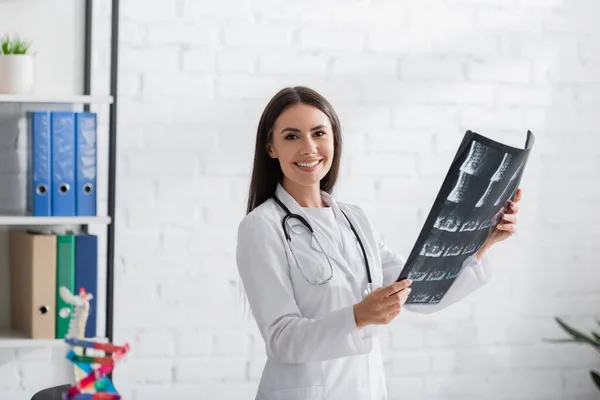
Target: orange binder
(33,284)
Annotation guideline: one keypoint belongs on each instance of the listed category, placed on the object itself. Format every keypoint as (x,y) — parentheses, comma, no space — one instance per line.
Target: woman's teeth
(308,165)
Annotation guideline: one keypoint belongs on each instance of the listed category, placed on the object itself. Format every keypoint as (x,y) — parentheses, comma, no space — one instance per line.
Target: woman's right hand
(382,305)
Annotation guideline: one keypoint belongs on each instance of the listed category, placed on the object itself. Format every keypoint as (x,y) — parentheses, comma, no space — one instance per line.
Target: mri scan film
(482,178)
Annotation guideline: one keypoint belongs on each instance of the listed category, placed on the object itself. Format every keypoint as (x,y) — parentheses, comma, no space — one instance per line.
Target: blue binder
(85,177)
(86,276)
(39,194)
(63,163)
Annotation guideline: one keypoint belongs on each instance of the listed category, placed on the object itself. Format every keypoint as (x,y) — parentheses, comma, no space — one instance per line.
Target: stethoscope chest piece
(367,291)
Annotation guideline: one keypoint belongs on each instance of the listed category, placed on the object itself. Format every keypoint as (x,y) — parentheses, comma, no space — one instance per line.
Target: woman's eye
(290,137)
(320,133)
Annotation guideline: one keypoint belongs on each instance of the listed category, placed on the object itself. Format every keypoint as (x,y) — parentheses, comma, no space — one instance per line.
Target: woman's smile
(308,166)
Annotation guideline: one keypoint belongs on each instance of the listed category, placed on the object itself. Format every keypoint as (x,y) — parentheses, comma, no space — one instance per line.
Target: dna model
(91,370)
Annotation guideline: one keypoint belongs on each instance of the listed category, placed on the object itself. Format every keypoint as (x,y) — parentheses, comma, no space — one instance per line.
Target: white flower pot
(16,73)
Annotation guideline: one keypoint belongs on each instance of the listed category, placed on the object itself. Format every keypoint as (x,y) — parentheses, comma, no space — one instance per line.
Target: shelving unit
(11,339)
(17,220)
(15,339)
(39,98)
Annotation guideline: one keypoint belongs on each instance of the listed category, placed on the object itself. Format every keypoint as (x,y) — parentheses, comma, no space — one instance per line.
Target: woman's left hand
(508,221)
(507,225)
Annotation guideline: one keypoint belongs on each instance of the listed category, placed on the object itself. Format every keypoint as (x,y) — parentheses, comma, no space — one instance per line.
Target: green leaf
(13,46)
(595,378)
(5,44)
(580,337)
(562,340)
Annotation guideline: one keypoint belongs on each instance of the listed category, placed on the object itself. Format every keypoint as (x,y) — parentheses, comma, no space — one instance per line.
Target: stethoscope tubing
(289,214)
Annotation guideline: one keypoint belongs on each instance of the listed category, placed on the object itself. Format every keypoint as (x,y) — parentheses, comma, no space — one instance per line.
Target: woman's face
(302,140)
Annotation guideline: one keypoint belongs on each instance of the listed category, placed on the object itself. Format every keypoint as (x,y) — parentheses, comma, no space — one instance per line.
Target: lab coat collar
(295,208)
(330,249)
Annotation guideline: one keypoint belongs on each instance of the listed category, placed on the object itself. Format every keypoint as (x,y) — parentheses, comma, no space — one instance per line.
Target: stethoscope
(321,282)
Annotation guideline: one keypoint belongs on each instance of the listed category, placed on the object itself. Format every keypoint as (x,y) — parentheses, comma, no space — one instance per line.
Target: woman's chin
(306,180)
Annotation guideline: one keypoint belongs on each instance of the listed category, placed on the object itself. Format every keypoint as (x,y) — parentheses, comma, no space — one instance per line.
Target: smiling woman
(316,275)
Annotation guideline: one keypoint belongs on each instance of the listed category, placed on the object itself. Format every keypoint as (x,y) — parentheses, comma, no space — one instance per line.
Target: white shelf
(31,220)
(12,339)
(65,99)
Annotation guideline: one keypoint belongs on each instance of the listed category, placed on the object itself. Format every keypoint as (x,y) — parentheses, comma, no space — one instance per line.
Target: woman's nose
(309,147)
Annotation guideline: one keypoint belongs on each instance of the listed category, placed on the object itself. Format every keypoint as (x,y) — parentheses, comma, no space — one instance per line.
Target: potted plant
(16,66)
(578,337)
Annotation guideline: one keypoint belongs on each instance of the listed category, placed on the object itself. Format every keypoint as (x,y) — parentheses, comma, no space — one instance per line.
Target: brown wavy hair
(266,172)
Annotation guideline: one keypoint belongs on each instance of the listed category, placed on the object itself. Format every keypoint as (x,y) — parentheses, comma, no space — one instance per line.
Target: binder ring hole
(43,310)
(64,188)
(87,188)
(42,189)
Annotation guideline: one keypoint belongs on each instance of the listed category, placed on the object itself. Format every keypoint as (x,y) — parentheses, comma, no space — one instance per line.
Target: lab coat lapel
(329,248)
(341,220)
(360,232)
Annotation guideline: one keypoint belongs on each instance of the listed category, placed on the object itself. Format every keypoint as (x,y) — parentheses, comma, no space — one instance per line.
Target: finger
(405,294)
(513,208)
(392,308)
(394,288)
(503,226)
(389,316)
(396,298)
(518,195)
(386,319)
(393,315)
(395,310)
(507,227)
(509,218)
(391,300)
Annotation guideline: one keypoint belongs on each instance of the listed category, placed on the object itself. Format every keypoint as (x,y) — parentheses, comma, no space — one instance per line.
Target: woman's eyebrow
(298,130)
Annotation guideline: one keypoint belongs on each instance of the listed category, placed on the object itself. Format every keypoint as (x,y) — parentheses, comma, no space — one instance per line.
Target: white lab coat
(314,349)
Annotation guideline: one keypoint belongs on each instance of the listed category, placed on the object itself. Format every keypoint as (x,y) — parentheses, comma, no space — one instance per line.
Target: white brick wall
(406,91)
(407,79)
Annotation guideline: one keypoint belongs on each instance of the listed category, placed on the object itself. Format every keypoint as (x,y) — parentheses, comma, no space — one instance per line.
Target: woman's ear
(270,151)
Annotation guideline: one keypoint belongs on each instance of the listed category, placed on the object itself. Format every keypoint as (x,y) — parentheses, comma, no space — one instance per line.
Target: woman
(309,293)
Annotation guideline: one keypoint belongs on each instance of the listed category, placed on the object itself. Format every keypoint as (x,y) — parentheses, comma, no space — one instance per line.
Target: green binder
(65,276)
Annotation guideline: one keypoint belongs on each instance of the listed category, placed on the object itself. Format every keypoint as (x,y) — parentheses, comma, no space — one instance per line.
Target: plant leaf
(16,45)
(578,335)
(5,44)
(595,378)
(562,340)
